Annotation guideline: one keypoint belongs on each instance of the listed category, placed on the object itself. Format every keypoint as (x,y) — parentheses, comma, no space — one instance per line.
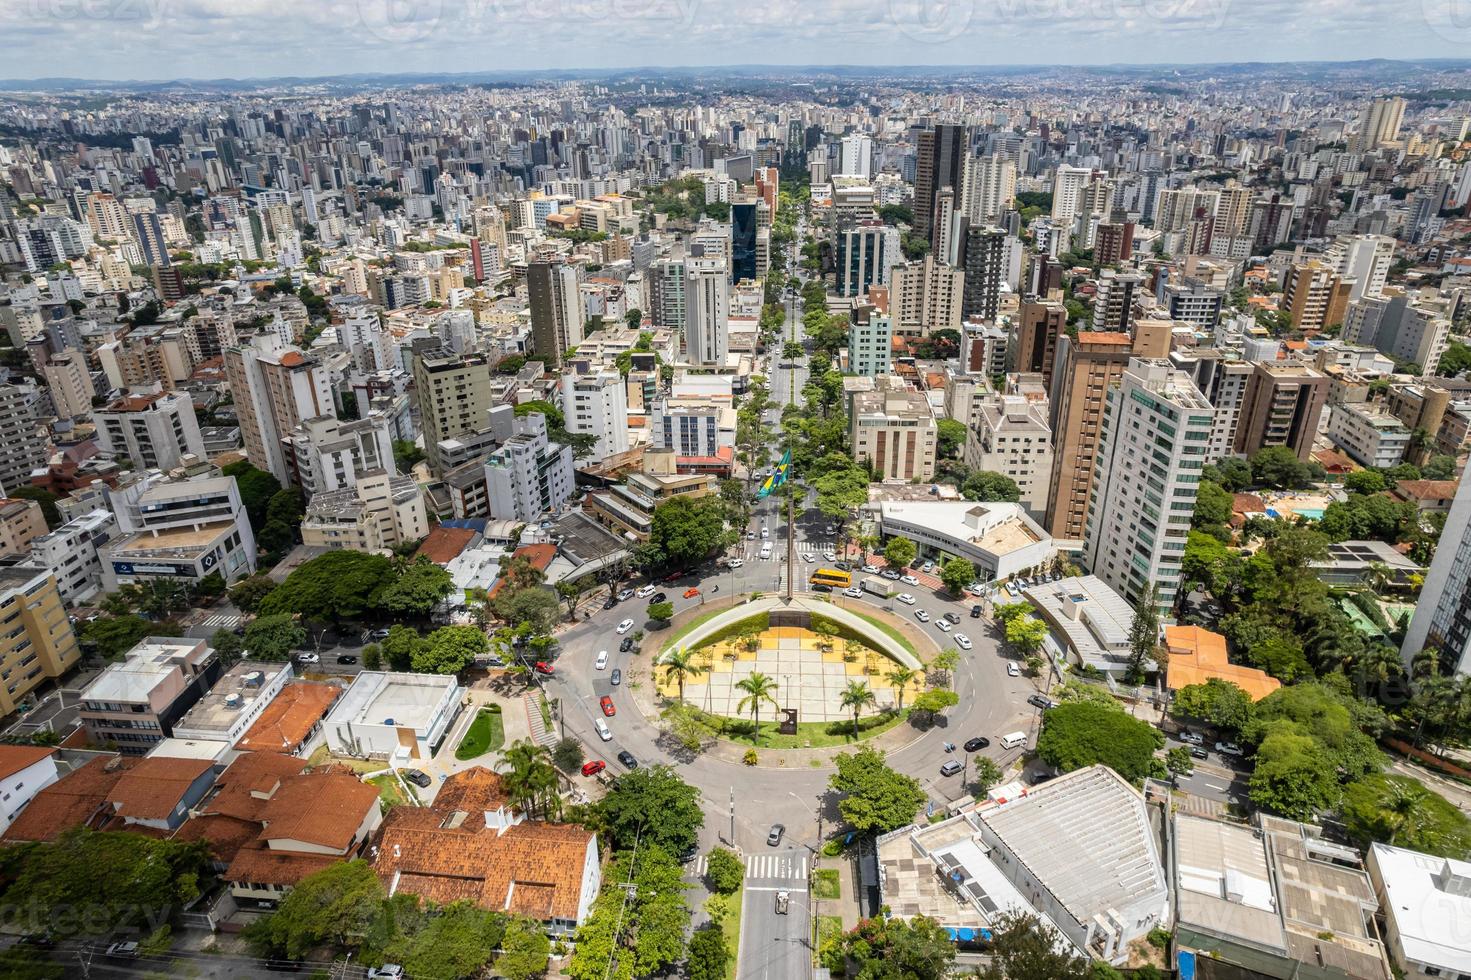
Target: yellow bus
(832,577)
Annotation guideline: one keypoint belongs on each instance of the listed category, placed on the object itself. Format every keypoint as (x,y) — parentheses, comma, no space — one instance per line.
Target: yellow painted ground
(865,664)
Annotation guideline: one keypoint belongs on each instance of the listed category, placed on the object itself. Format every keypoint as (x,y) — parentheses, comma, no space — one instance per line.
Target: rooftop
(401,700)
(287,721)
(997,528)
(1093,618)
(145,666)
(73,800)
(1197,655)
(1429,899)
(178,542)
(232,695)
(154,788)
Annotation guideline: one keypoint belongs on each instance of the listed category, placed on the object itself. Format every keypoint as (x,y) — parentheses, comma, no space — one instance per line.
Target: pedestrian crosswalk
(790,866)
(223,621)
(698,866)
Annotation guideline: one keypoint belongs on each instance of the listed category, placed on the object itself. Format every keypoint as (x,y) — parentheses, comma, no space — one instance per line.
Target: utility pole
(732,817)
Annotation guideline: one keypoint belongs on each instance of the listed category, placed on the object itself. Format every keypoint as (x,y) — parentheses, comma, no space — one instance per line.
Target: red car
(691,592)
(542,667)
(594,767)
(674,576)
(607,704)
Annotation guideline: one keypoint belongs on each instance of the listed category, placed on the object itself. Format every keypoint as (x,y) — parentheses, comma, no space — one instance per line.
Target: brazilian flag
(777,478)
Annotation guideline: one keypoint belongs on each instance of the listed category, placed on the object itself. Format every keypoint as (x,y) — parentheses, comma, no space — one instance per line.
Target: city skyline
(130,40)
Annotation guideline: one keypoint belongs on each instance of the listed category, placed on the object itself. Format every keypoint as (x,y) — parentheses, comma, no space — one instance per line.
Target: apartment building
(870,341)
(1369,435)
(926,296)
(529,475)
(379,511)
(22,435)
(454,395)
(1011,436)
(596,404)
(153,429)
(1397,326)
(70,553)
(1315,297)
(21,523)
(1038,326)
(326,453)
(36,639)
(707,311)
(692,425)
(1282,406)
(892,430)
(1222,379)
(628,507)
(276,387)
(1156,427)
(557,319)
(69,380)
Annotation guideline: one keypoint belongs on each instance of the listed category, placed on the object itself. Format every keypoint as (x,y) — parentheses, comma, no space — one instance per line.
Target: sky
(166,39)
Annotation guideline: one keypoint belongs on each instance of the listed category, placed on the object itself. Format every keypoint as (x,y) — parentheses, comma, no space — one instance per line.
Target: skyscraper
(939,162)
(1379,123)
(707,311)
(743,241)
(1040,324)
(276,387)
(556,310)
(983,257)
(859,257)
(989,188)
(453,391)
(1442,619)
(21,435)
(1281,407)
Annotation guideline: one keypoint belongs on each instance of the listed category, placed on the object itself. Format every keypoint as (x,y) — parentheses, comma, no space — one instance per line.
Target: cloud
(246,38)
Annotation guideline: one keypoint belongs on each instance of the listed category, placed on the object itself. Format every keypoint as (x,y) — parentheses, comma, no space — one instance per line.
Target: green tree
(899,552)
(50,513)
(1217,701)
(1403,812)
(212,586)
(757,687)
(1279,467)
(536,607)
(892,949)
(950,435)
(1178,762)
(400,646)
(987,774)
(1025,634)
(653,805)
(568,754)
(1441,468)
(661,612)
(455,942)
(1365,481)
(227,646)
(709,956)
(680,665)
(332,588)
(1230,474)
(1084,734)
(986,486)
(900,678)
(1455,361)
(274,637)
(638,932)
(1144,636)
(1293,777)
(724,870)
(373,656)
(407,455)
(685,531)
(248,593)
(931,703)
(1341,726)
(256,487)
(873,797)
(417,590)
(449,650)
(113,636)
(1025,948)
(531,778)
(855,697)
(332,906)
(525,950)
(957,574)
(1212,505)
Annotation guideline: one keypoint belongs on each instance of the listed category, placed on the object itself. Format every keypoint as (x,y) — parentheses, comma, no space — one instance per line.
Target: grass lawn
(829,927)
(731,927)
(390,791)
(825,884)
(810,734)
(485,734)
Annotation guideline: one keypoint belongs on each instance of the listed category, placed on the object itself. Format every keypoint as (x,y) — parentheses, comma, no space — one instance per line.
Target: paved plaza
(809,678)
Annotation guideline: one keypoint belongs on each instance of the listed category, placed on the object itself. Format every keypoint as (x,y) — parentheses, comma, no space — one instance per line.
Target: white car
(808,556)
(905,598)
(927,567)
(889,574)
(1012,670)
(976,588)
(854,593)
(765,533)
(921,615)
(870,569)
(943,625)
(830,555)
(602,662)
(962,641)
(625,626)
(645,592)
(309,658)
(737,562)
(908,579)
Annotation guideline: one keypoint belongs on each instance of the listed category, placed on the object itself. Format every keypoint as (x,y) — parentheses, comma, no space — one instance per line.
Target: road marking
(792,866)
(698,865)
(774,888)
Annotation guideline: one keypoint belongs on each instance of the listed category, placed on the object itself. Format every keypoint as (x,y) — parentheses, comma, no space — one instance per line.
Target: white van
(602,727)
(766,552)
(1013,740)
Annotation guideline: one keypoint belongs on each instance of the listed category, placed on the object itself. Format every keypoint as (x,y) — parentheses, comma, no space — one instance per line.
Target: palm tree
(758,688)
(857,695)
(901,677)
(680,664)
(527,781)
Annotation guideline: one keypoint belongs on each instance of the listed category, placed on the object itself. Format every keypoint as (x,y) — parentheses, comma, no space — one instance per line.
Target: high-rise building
(1011,436)
(1116,299)
(38,643)
(666,293)
(69,381)
(983,257)
(276,387)
(1192,300)
(870,342)
(989,189)
(1086,368)
(529,475)
(1282,406)
(152,429)
(1365,259)
(148,233)
(1222,380)
(1379,124)
(939,163)
(1314,296)
(22,436)
(926,296)
(1442,619)
(1070,190)
(858,251)
(328,454)
(707,311)
(893,431)
(453,391)
(856,156)
(596,404)
(1156,425)
(743,241)
(557,319)
(1400,328)
(1113,242)
(1039,325)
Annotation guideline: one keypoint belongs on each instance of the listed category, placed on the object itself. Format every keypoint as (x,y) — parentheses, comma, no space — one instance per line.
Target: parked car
(1011,589)
(870,569)
(976,588)
(659,597)
(1199,752)
(606,703)
(977,743)
(626,757)
(611,601)
(853,593)
(963,641)
(774,835)
(645,592)
(616,677)
(737,562)
(1012,670)
(347,658)
(927,567)
(921,615)
(378,635)
(625,626)
(950,768)
(975,611)
(602,662)
(388,971)
(593,767)
(123,951)
(1192,738)
(691,592)
(908,579)
(542,667)
(625,594)
(890,574)
(626,645)
(308,658)
(1228,748)
(418,777)
(905,598)
(943,626)
(1040,701)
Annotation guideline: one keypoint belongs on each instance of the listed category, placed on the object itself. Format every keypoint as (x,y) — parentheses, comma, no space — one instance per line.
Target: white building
(328,454)
(529,475)
(1011,436)
(1426,902)
(1400,328)
(1088,622)
(153,429)
(999,539)
(692,425)
(70,553)
(990,188)
(707,311)
(596,404)
(892,429)
(1363,258)
(379,511)
(1370,436)
(367,342)
(178,529)
(1442,617)
(25,770)
(855,157)
(234,702)
(1155,428)
(870,342)
(393,716)
(275,388)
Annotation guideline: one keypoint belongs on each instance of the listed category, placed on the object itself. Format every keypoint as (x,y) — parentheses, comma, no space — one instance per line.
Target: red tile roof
(74,800)
(288,720)
(14,758)
(444,544)
(243,790)
(325,809)
(225,835)
(283,868)
(153,789)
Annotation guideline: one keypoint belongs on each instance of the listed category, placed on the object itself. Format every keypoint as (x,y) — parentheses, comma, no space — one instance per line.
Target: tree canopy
(685,532)
(1081,734)
(654,806)
(875,798)
(1403,812)
(333,587)
(638,932)
(892,949)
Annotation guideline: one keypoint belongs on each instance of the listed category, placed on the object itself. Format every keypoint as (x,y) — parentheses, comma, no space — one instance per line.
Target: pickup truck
(783,901)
